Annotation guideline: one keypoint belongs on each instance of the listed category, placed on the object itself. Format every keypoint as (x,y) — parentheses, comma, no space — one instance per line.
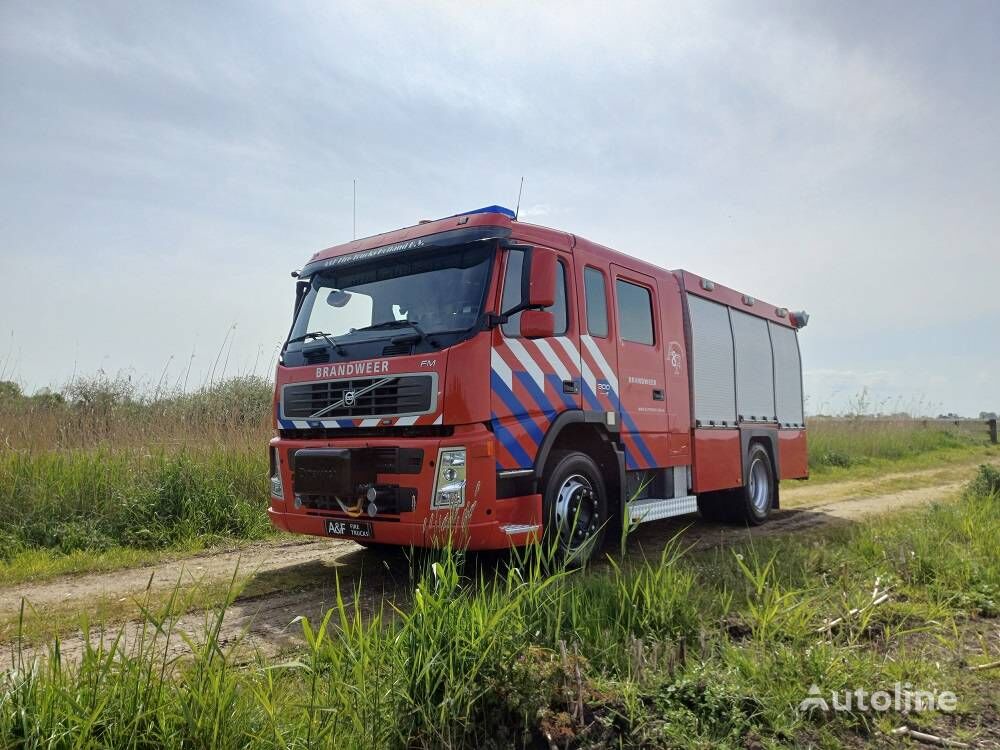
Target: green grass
(860,441)
(714,649)
(101,500)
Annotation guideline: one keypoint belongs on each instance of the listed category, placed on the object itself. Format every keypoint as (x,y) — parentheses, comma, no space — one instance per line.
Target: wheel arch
(588,432)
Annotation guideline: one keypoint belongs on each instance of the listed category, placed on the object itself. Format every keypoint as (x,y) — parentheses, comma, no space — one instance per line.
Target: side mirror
(541,278)
(538,324)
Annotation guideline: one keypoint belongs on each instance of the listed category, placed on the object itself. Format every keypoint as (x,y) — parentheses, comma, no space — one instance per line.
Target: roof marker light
(748,300)
(781,312)
(707,285)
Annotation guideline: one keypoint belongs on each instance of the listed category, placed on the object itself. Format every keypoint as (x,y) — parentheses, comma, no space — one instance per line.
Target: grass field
(714,649)
(105,475)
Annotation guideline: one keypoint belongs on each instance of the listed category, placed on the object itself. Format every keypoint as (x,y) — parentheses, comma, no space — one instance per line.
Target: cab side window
(597,302)
(512,295)
(635,312)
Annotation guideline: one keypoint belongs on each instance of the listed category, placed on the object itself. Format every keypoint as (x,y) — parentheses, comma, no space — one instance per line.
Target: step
(653,509)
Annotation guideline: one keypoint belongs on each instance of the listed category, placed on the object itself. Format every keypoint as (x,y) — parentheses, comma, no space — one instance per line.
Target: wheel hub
(576,507)
(759,486)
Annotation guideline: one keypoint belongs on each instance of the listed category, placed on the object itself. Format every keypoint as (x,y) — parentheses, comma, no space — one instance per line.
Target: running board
(652,509)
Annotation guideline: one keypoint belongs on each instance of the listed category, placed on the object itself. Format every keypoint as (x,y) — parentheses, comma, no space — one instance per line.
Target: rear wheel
(755,499)
(750,504)
(575,505)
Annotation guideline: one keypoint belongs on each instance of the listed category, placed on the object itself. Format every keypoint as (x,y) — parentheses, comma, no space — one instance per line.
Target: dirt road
(281,581)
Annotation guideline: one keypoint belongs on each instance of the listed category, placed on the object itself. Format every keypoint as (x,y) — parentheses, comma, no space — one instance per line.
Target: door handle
(571,386)
(657,394)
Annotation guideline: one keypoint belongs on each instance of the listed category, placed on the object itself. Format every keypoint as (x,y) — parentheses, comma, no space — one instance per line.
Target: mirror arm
(493,320)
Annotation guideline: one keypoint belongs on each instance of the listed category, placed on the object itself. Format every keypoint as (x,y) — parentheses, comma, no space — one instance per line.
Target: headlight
(277,489)
(449,486)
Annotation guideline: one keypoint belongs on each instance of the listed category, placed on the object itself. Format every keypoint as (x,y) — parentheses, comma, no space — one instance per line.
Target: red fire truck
(492,382)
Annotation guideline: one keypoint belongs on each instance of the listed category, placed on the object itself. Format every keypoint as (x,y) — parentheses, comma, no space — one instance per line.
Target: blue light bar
(488,210)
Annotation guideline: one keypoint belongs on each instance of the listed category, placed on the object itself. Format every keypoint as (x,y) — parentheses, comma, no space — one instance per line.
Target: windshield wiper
(318,335)
(395,324)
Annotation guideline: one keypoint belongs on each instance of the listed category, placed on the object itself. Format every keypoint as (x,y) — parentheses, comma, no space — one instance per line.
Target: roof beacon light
(488,210)
(798,319)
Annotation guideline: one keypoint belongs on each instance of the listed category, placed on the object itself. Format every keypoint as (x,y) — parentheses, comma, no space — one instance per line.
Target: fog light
(449,486)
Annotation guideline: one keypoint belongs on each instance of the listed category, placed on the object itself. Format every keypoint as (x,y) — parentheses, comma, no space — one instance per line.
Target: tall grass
(72,500)
(851,441)
(708,650)
(115,413)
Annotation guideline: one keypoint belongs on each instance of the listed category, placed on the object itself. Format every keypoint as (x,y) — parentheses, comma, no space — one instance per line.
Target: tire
(575,506)
(754,501)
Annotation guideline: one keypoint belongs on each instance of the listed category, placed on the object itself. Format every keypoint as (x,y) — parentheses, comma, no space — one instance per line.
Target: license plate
(355,529)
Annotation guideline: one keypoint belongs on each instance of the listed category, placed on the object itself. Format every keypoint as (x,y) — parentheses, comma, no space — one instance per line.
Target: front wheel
(576,507)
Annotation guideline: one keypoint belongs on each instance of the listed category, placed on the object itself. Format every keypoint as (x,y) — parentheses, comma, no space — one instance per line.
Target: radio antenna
(354,213)
(517,208)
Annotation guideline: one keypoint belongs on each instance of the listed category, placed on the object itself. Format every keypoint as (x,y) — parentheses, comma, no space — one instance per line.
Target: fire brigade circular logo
(349,398)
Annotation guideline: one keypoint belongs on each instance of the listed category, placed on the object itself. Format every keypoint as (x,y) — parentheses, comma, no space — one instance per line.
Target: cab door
(532,380)
(642,387)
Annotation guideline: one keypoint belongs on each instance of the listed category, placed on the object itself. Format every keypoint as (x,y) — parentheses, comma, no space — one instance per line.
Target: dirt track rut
(293,578)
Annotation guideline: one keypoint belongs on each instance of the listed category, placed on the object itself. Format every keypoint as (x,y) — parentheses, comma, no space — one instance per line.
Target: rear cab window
(635,312)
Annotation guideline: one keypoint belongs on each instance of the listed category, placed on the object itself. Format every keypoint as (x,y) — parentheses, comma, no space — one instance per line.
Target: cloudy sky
(165,165)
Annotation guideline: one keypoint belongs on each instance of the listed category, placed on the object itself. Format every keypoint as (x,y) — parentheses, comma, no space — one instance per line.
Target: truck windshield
(438,290)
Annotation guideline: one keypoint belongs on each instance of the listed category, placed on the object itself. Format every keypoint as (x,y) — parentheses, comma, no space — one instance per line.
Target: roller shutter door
(787,376)
(714,376)
(754,368)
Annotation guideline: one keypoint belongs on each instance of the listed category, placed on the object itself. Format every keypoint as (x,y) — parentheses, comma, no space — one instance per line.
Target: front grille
(404,394)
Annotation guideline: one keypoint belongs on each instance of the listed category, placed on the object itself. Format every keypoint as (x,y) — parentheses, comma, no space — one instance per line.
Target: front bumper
(481,523)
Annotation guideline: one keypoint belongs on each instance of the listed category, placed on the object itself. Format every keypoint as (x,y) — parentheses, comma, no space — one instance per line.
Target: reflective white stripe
(300,425)
(501,368)
(370,422)
(602,363)
(439,419)
(527,361)
(553,359)
(570,348)
(405,421)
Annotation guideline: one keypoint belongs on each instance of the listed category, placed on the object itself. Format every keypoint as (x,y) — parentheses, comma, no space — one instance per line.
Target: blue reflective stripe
(533,430)
(345,422)
(536,393)
(506,394)
(508,441)
(520,412)
(590,398)
(633,430)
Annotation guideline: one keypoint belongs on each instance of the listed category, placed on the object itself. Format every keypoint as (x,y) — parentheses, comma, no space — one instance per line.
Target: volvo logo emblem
(349,398)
